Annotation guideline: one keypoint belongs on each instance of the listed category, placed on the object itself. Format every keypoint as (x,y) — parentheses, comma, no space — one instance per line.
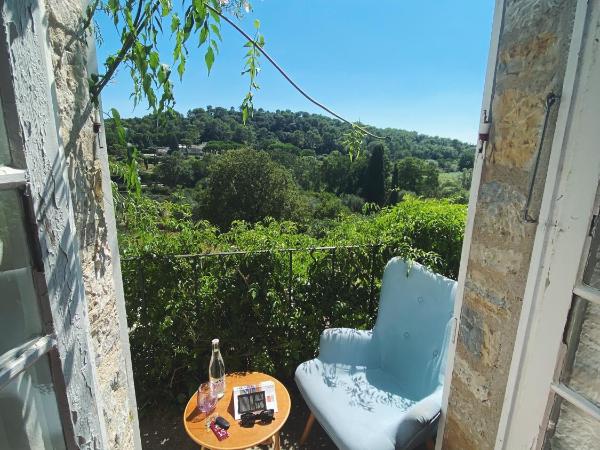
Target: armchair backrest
(413,325)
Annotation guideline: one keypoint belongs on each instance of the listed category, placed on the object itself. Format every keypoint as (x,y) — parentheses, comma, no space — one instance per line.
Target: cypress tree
(374,186)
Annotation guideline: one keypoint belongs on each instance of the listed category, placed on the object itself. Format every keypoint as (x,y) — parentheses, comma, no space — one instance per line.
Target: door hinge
(484,131)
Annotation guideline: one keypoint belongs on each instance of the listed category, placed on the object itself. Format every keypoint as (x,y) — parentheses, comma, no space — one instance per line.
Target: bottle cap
(215,341)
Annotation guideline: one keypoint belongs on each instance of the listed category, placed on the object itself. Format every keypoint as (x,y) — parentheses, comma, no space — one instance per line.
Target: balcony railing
(268,307)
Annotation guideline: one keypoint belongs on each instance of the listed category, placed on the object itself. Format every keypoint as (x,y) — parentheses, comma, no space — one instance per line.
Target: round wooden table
(239,437)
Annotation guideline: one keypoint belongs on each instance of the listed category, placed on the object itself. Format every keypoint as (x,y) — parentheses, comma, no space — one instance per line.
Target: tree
(174,170)
(272,129)
(429,181)
(334,172)
(374,185)
(173,142)
(394,194)
(418,176)
(466,160)
(247,185)
(409,173)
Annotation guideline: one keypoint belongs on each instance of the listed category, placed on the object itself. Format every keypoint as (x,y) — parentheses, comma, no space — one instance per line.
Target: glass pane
(584,374)
(4,152)
(19,312)
(29,418)
(573,431)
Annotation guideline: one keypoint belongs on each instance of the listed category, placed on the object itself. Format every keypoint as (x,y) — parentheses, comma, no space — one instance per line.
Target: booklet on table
(254,397)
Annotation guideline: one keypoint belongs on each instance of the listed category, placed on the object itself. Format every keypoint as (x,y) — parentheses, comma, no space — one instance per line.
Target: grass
(450,176)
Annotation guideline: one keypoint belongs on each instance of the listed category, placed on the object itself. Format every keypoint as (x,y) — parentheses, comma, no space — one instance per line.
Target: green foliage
(418,176)
(267,307)
(174,170)
(298,129)
(374,182)
(341,176)
(247,185)
(220,146)
(128,169)
(455,186)
(139,25)
(394,194)
(466,161)
(353,142)
(252,68)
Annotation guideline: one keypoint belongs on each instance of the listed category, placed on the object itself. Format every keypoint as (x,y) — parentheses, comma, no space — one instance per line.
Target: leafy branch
(129,170)
(139,23)
(252,68)
(353,139)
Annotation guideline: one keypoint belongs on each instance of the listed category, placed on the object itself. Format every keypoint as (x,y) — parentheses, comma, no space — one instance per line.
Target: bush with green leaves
(267,302)
(246,184)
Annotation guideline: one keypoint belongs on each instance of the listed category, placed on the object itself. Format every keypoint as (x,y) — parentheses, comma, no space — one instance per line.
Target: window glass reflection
(29,418)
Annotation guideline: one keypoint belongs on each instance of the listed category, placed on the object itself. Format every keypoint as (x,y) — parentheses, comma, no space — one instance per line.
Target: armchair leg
(307,428)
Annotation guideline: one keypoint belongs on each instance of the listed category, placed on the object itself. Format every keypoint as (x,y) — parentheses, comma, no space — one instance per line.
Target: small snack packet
(220,433)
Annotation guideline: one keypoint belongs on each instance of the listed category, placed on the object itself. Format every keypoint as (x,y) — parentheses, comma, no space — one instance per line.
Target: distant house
(196,149)
(161,151)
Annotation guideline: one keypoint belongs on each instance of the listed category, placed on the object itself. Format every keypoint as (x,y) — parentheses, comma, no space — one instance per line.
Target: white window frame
(566,214)
(45,346)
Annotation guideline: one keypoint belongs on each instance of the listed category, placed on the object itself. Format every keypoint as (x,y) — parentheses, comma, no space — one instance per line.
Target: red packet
(220,433)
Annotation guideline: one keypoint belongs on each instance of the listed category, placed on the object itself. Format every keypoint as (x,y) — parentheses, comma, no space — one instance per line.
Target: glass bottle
(216,370)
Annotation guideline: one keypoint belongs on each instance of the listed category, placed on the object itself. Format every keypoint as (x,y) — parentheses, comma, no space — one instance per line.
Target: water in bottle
(216,370)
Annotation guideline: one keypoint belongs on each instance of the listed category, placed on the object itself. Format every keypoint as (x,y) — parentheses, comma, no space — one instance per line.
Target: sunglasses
(265,417)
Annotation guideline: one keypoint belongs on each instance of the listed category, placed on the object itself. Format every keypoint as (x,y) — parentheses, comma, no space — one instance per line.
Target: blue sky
(415,65)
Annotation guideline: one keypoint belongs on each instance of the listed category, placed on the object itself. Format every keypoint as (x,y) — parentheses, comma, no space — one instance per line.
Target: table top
(239,437)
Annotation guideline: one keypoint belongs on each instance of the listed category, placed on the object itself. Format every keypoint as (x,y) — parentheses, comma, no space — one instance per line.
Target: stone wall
(86,158)
(531,61)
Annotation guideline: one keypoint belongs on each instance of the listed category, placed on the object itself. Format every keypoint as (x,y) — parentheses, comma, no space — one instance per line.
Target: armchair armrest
(348,346)
(420,421)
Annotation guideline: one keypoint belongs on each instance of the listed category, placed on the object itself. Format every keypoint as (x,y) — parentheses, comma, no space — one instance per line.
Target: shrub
(266,303)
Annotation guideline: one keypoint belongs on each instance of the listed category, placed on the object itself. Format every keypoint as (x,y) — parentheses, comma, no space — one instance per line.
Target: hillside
(299,130)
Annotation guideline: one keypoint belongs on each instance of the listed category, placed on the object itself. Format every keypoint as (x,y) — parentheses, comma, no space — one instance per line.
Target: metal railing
(268,306)
(372,249)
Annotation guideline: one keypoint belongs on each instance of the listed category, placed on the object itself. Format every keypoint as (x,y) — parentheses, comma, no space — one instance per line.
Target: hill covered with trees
(285,165)
(314,133)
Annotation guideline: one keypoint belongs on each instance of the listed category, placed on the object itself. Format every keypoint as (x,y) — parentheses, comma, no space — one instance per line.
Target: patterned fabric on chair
(382,389)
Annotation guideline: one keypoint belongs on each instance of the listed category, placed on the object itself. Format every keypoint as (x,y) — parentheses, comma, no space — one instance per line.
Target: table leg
(276,444)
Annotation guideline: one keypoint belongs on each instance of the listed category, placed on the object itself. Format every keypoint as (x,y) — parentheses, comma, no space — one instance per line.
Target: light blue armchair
(382,389)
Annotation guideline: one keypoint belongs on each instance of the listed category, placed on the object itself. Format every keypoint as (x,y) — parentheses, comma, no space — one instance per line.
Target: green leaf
(203,35)
(163,74)
(256,24)
(175,23)
(215,45)
(119,126)
(154,60)
(215,16)
(166,7)
(209,58)
(215,29)
(181,68)
(199,7)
